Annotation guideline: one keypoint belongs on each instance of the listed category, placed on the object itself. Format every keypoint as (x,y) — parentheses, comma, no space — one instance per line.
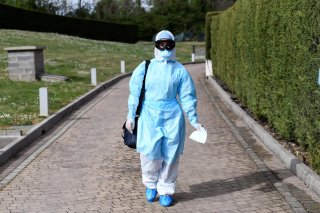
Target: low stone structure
(25,63)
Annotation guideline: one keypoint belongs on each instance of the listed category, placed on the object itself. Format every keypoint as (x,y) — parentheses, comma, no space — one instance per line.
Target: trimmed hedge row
(209,15)
(17,18)
(268,54)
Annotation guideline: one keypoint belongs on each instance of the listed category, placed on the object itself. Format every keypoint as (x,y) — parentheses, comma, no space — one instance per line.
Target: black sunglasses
(165,44)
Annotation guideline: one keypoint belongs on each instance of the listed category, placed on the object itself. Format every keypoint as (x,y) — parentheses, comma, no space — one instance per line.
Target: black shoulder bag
(131,139)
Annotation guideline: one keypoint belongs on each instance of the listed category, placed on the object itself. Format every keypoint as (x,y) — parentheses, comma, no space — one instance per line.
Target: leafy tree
(83,10)
(48,6)
(178,15)
(174,15)
(118,10)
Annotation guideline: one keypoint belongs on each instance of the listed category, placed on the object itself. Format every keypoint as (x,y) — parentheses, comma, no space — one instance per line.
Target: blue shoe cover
(151,194)
(166,200)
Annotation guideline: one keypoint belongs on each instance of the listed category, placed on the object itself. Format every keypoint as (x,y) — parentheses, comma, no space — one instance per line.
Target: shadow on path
(225,186)
(265,179)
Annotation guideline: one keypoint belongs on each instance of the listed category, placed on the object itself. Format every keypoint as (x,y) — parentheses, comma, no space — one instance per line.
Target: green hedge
(268,53)
(17,18)
(208,32)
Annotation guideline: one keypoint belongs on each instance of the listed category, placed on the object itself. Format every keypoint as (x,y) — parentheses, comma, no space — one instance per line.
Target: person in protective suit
(161,126)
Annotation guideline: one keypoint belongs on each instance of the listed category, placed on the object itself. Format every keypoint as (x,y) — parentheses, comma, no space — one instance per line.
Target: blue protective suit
(161,126)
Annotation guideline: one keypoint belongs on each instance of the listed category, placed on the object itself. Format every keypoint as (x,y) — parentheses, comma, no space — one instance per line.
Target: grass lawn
(68,56)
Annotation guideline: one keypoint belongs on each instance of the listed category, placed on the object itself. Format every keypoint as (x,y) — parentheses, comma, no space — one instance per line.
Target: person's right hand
(130,125)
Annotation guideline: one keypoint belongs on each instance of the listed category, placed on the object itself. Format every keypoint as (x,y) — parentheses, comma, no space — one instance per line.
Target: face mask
(166,54)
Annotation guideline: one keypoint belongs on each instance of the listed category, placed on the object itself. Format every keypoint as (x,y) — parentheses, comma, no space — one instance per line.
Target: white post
(123,66)
(193,53)
(319,77)
(209,71)
(94,76)
(43,100)
(192,57)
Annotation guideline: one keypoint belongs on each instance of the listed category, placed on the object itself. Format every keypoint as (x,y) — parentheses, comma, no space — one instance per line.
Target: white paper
(199,135)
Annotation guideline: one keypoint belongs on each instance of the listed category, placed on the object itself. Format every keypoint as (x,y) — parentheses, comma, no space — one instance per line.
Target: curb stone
(10,133)
(309,177)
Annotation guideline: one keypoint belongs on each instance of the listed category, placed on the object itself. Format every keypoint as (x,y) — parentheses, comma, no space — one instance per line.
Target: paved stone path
(82,166)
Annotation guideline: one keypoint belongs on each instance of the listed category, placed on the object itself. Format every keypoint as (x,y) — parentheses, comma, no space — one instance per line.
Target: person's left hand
(197,126)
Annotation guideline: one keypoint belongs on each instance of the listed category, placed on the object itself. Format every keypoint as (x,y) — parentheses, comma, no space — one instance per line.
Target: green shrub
(208,31)
(267,52)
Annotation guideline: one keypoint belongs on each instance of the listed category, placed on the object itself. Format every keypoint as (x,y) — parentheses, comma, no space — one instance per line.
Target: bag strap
(142,88)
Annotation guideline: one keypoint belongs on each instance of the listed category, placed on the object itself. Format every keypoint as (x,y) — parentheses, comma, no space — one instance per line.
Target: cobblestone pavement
(82,166)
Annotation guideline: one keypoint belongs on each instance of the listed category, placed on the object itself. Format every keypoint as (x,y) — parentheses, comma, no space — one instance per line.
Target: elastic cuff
(195,125)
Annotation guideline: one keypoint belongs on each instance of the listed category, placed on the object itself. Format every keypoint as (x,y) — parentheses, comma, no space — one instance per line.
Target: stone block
(27,64)
(27,77)
(12,59)
(13,64)
(25,58)
(14,77)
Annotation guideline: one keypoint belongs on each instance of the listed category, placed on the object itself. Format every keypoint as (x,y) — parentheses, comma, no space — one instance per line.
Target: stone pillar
(25,63)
